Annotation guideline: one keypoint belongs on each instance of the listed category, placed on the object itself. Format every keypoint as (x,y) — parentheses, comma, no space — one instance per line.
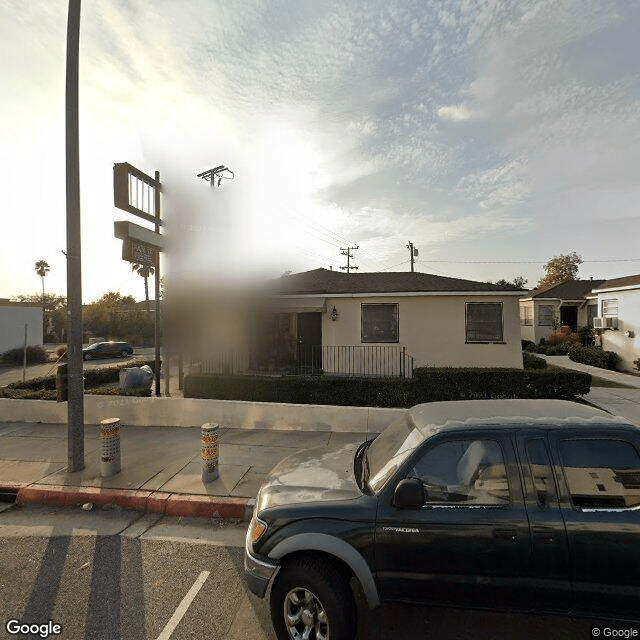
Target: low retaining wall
(192,412)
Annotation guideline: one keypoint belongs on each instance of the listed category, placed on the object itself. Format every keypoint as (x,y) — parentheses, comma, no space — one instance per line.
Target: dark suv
(107,350)
(502,504)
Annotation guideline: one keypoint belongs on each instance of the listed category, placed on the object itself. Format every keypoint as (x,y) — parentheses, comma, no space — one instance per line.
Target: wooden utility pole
(347,252)
(413,252)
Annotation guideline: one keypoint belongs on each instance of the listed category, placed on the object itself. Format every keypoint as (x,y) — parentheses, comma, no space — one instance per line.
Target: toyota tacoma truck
(529,505)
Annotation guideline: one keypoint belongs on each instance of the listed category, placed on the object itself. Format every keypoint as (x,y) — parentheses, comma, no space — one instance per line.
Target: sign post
(139,194)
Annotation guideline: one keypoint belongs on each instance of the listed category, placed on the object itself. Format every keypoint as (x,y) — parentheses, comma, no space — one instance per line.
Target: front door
(309,342)
(469,544)
(569,317)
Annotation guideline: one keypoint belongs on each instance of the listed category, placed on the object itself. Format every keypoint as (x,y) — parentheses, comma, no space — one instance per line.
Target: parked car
(107,350)
(509,504)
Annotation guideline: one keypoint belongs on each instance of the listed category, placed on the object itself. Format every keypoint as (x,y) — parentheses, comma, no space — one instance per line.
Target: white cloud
(457,113)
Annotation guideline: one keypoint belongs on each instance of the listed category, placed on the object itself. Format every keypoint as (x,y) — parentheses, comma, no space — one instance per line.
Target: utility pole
(75,403)
(347,252)
(413,252)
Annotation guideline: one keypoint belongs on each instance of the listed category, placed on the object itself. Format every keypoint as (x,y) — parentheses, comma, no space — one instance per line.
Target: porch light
(334,313)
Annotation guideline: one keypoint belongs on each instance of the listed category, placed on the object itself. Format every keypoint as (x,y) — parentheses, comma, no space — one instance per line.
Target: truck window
(540,467)
(601,474)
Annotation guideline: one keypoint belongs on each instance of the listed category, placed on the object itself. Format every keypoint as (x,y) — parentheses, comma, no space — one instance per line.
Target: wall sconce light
(334,313)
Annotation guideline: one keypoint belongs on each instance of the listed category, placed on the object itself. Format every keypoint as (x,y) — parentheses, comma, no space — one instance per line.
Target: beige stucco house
(362,324)
(545,310)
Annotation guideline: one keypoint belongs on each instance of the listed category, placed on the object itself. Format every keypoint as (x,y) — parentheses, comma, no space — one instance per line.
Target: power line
(531,261)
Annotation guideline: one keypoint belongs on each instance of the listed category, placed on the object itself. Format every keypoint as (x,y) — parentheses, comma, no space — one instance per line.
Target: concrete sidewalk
(161,469)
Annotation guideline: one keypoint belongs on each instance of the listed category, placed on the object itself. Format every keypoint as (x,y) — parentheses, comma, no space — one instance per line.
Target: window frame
(500,340)
(526,314)
(609,302)
(366,340)
(552,315)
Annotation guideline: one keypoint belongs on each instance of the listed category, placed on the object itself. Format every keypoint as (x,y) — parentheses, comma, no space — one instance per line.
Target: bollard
(210,440)
(110,439)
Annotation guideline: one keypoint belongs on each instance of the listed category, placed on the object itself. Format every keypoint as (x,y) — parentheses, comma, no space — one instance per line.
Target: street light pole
(75,404)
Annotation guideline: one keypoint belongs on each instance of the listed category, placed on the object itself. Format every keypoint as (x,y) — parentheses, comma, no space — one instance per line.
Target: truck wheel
(311,599)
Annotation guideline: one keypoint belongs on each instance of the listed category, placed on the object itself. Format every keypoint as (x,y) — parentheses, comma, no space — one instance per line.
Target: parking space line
(183,606)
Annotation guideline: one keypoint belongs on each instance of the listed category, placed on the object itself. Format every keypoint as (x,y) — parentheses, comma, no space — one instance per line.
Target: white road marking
(183,606)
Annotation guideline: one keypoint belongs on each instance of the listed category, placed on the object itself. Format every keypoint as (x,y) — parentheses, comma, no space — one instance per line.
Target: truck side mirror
(409,494)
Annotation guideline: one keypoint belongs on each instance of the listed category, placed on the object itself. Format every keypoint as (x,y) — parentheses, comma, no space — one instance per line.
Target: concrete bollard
(210,447)
(110,440)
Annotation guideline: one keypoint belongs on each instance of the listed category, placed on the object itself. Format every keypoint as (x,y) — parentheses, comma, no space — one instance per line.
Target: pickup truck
(529,505)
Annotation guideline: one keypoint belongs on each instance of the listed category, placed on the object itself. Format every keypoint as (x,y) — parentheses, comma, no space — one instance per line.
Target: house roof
(567,290)
(326,282)
(619,283)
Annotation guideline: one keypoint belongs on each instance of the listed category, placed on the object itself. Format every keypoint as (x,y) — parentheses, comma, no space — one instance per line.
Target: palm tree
(42,268)
(145,271)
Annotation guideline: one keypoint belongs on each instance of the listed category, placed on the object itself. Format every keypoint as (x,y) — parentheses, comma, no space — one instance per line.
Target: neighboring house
(545,310)
(618,304)
(13,318)
(378,324)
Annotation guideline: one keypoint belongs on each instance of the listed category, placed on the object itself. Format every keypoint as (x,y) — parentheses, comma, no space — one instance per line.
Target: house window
(484,322)
(610,308)
(592,312)
(380,323)
(526,315)
(545,315)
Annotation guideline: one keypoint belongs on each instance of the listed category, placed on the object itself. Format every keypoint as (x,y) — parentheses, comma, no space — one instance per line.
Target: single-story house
(365,323)
(618,317)
(545,310)
(14,316)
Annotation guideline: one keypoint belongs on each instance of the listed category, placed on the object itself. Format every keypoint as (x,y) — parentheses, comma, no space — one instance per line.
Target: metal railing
(355,361)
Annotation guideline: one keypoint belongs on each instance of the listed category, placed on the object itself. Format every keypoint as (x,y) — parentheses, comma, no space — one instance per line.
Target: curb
(174,504)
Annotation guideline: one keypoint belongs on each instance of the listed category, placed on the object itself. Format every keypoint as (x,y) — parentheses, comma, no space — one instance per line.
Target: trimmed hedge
(595,356)
(92,377)
(533,362)
(427,385)
(140,392)
(35,355)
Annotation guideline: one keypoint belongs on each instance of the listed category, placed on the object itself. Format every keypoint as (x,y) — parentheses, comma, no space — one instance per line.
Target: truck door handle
(505,534)
(543,533)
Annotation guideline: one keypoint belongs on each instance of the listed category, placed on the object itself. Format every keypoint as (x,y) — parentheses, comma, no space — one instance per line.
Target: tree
(145,271)
(54,314)
(42,268)
(518,282)
(114,316)
(560,269)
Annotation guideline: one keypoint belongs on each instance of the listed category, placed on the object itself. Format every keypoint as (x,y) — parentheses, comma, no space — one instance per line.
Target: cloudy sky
(493,134)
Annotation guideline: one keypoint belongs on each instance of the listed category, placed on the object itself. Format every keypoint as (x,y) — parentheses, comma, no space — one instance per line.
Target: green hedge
(427,385)
(35,355)
(141,392)
(595,356)
(92,377)
(533,362)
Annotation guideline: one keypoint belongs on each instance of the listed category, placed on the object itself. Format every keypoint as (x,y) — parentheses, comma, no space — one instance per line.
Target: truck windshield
(390,449)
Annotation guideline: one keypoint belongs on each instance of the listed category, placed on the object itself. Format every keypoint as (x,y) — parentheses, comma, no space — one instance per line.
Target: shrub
(595,356)
(142,392)
(532,347)
(27,394)
(427,385)
(35,355)
(564,336)
(586,336)
(533,362)
(561,349)
(61,352)
(527,344)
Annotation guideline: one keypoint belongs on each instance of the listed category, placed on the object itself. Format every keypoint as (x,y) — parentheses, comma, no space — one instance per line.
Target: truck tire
(312,596)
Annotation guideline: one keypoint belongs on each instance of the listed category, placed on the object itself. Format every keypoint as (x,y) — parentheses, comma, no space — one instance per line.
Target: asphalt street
(112,574)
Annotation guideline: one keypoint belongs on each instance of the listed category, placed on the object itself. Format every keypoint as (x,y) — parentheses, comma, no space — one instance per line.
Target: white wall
(13,317)
(628,320)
